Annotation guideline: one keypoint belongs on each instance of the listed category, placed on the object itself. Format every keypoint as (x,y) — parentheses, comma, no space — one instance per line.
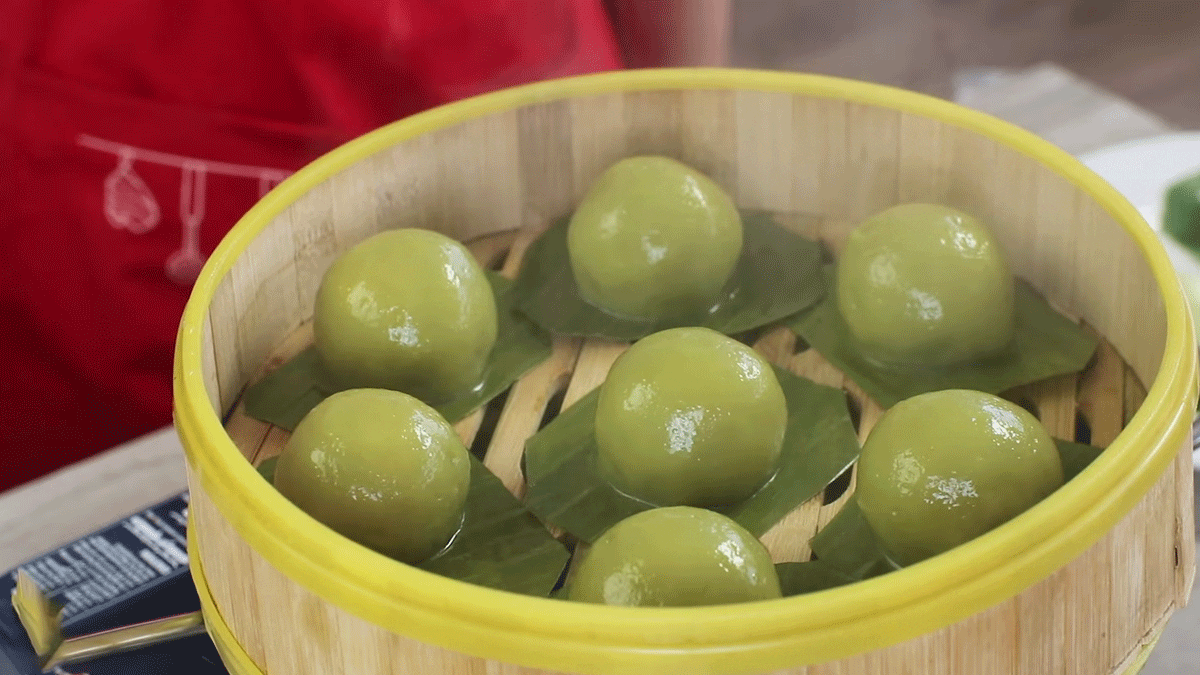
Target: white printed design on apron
(130,205)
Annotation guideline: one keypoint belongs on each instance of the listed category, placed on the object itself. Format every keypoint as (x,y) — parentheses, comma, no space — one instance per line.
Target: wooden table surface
(61,507)
(83,497)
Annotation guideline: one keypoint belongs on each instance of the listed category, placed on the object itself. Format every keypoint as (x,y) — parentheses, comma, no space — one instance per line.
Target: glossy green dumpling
(654,239)
(942,468)
(688,416)
(675,557)
(409,310)
(925,285)
(381,468)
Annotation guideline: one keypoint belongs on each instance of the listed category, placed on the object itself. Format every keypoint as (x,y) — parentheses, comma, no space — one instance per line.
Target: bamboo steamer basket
(1082,583)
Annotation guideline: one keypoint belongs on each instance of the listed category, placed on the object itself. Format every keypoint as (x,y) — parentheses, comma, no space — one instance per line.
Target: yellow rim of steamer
(238,662)
(746,638)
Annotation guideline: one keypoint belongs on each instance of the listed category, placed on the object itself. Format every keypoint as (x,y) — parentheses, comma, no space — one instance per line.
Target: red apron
(134,133)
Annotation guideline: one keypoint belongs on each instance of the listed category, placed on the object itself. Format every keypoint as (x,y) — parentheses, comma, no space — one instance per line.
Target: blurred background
(1147,51)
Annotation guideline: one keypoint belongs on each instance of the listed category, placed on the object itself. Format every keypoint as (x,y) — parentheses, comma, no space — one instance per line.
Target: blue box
(132,571)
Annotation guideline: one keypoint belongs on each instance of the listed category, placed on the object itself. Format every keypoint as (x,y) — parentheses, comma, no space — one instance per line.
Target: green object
(286,394)
(925,285)
(675,557)
(777,275)
(1075,457)
(379,467)
(1046,344)
(1181,217)
(942,468)
(653,239)
(690,417)
(520,347)
(848,550)
(566,489)
(500,545)
(408,310)
(796,578)
(849,547)
(267,469)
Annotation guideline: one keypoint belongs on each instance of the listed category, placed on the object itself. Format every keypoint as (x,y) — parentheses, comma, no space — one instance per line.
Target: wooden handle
(127,639)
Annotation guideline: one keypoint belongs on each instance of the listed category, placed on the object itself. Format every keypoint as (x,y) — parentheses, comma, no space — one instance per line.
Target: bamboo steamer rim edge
(824,625)
(239,662)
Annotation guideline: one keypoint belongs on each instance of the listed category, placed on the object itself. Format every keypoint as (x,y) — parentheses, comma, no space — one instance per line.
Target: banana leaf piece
(796,578)
(267,468)
(500,545)
(1075,457)
(849,546)
(778,275)
(286,394)
(1045,344)
(565,489)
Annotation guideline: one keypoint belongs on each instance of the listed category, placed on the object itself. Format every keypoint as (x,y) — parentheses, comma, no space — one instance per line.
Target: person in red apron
(134,133)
